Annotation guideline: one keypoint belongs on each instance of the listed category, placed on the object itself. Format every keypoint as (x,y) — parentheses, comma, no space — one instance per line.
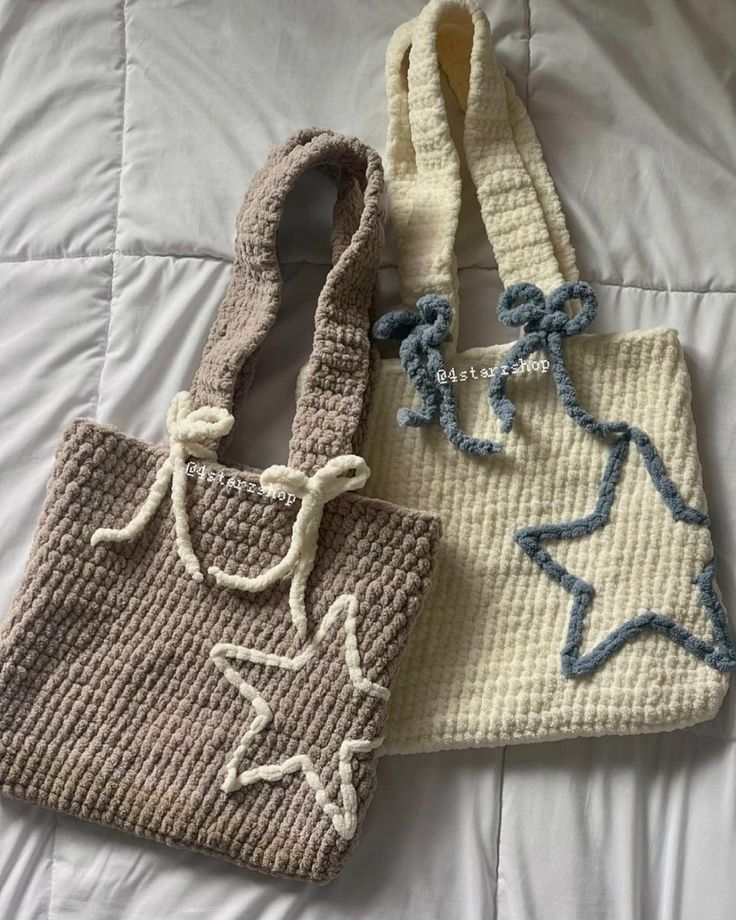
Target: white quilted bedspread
(128,134)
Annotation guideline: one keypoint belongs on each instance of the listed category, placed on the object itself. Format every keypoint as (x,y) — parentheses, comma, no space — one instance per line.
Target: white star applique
(315,492)
(343,818)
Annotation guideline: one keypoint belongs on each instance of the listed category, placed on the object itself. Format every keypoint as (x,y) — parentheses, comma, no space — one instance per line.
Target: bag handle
(518,201)
(332,401)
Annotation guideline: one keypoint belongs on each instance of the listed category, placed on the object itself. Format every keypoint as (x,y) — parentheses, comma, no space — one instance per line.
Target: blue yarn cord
(421,335)
(420,376)
(519,351)
(664,485)
(568,394)
(720,655)
(546,326)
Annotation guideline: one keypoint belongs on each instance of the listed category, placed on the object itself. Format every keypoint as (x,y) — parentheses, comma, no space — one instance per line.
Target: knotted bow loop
(396,325)
(286,478)
(560,298)
(331,480)
(421,333)
(196,430)
(546,326)
(428,325)
(436,313)
(192,433)
(521,304)
(327,483)
(315,491)
(525,305)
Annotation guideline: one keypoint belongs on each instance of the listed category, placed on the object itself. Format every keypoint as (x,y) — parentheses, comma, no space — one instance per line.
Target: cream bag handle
(518,201)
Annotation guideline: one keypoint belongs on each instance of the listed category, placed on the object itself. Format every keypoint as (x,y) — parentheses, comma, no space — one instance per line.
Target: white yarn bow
(314,491)
(192,433)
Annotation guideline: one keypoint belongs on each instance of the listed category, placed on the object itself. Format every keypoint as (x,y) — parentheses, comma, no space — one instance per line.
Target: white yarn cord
(224,652)
(345,819)
(314,491)
(192,433)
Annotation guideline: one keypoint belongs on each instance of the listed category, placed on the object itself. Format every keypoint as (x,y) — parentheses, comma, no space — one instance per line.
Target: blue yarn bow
(546,325)
(421,334)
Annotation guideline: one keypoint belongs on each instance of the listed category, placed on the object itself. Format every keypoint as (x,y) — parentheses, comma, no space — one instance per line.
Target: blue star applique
(719,653)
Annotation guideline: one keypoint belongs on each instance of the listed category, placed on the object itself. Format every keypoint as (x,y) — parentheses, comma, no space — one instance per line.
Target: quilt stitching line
(726,292)
(212,257)
(124,45)
(123,113)
(528,53)
(499,830)
(54,833)
(74,257)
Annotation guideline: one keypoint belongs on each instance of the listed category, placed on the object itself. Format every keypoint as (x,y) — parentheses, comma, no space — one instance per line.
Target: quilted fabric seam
(212,257)
(499,833)
(124,97)
(621,285)
(528,52)
(104,357)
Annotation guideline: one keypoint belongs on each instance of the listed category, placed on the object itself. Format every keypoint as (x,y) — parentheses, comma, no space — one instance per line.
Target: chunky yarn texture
(210,669)
(574,590)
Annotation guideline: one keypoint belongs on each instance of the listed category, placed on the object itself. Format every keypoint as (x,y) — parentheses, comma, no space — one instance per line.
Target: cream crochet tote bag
(574,593)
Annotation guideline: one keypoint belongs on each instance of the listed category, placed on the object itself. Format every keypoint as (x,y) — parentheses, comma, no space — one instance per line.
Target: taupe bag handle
(332,401)
(519,205)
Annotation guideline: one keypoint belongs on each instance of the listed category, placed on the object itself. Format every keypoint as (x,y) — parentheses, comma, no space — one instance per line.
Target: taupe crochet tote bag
(574,593)
(206,659)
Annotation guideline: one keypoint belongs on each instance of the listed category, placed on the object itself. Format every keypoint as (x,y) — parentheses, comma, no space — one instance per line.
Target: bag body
(574,592)
(200,654)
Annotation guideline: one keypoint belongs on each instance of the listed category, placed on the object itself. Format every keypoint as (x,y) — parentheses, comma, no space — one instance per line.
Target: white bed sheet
(128,134)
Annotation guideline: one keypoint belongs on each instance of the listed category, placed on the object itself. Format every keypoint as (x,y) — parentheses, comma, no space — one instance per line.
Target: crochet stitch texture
(483,666)
(239,720)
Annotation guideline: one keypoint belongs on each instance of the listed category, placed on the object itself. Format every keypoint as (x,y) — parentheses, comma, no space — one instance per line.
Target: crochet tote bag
(574,590)
(206,659)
